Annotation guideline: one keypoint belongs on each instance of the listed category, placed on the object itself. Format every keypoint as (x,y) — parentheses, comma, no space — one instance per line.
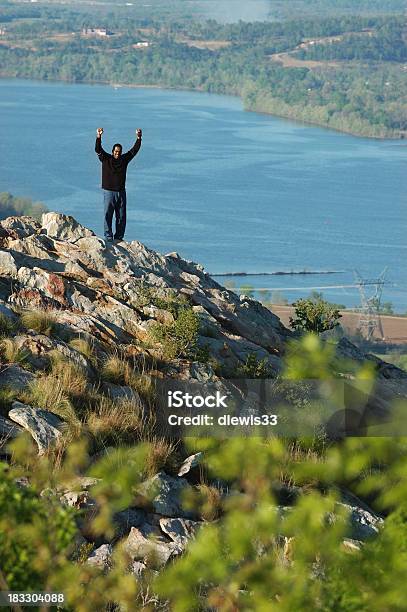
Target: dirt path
(290,61)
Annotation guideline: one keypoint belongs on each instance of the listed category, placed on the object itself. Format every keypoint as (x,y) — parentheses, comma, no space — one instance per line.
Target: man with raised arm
(114,168)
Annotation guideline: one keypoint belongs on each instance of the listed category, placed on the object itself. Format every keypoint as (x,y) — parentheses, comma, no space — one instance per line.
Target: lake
(232,190)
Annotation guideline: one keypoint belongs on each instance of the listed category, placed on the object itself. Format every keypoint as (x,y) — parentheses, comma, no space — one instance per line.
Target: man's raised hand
(99,132)
(139,132)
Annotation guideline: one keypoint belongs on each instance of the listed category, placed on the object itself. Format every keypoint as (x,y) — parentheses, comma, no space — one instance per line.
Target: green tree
(314,316)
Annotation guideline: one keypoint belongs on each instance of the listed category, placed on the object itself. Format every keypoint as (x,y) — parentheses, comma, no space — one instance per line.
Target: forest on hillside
(364,92)
(356,81)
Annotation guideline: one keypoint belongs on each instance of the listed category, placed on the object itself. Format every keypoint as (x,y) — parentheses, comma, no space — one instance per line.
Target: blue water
(235,191)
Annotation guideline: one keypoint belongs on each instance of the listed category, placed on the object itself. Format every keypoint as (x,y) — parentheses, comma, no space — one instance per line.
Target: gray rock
(165,494)
(159,314)
(8,430)
(121,392)
(7,312)
(20,227)
(63,227)
(189,463)
(138,568)
(8,265)
(95,291)
(77,499)
(181,531)
(44,426)
(101,557)
(15,377)
(126,519)
(143,544)
(83,483)
(364,524)
(352,545)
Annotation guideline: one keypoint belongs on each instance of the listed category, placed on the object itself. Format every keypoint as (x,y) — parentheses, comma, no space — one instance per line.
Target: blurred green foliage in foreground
(256,556)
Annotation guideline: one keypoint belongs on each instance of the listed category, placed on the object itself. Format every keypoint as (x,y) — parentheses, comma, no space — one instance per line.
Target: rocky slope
(113,296)
(95,290)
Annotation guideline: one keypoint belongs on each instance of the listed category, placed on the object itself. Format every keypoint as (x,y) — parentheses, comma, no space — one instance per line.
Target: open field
(395,328)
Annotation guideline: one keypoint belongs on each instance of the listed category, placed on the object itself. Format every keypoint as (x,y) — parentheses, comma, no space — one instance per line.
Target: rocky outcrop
(96,289)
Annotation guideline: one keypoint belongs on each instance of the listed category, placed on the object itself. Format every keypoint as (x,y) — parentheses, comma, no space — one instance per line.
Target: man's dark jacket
(114,170)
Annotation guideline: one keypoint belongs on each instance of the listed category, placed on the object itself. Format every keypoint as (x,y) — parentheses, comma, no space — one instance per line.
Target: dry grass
(56,392)
(119,371)
(85,348)
(71,377)
(160,456)
(41,321)
(210,502)
(7,397)
(12,354)
(299,453)
(115,423)
(48,393)
(116,370)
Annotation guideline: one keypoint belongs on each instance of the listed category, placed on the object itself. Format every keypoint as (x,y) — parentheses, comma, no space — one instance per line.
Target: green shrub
(178,339)
(37,532)
(7,325)
(314,315)
(257,555)
(169,300)
(30,526)
(254,368)
(258,558)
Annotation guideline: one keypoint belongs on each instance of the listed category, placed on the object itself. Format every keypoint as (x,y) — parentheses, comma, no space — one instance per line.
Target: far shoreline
(116,85)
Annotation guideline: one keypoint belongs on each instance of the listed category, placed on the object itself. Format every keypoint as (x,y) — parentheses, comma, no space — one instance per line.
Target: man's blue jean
(115,203)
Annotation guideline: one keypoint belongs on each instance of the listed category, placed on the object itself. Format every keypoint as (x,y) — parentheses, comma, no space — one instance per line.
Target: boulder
(77,499)
(15,377)
(44,426)
(137,568)
(180,530)
(101,557)
(121,392)
(20,227)
(363,524)
(63,227)
(126,519)
(8,264)
(165,494)
(8,429)
(144,544)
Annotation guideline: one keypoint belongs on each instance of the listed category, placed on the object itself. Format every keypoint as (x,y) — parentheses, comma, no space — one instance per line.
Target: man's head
(117,150)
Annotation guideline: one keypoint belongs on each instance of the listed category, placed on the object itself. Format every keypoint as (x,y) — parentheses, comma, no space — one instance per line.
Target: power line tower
(370,290)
